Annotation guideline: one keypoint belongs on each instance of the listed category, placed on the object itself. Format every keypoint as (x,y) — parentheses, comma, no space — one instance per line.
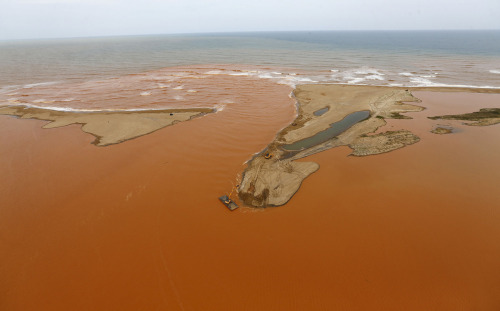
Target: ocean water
(397,58)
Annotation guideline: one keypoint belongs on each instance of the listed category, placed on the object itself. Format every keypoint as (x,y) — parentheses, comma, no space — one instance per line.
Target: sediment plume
(86,228)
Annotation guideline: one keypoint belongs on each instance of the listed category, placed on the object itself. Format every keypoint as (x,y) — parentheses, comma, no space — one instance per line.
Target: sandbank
(273,176)
(109,127)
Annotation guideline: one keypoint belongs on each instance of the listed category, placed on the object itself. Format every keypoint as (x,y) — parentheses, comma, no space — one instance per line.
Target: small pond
(334,130)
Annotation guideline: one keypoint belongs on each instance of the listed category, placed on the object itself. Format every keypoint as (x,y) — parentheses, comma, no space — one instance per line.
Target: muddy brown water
(138,226)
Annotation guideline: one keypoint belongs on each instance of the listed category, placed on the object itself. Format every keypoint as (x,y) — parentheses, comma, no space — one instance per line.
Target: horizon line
(239,32)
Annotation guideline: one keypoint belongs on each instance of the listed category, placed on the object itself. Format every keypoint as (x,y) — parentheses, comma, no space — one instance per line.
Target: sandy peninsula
(108,127)
(274,175)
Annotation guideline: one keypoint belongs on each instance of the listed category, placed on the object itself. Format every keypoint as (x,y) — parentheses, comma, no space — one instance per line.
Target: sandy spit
(109,127)
(274,176)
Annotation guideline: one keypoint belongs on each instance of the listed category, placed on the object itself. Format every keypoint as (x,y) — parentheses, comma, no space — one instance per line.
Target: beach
(138,224)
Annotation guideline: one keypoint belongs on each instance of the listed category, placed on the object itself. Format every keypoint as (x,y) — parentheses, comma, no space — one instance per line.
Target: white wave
(334,70)
(306,80)
(220,107)
(495,71)
(68,99)
(288,82)
(294,80)
(375,77)
(177,97)
(357,75)
(406,74)
(9,88)
(395,84)
(180,87)
(368,71)
(240,74)
(43,101)
(80,110)
(29,86)
(192,91)
(356,80)
(145,93)
(163,86)
(421,81)
(265,76)
(213,72)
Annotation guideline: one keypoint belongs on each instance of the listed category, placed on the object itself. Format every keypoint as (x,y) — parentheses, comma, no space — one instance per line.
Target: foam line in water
(79,110)
(9,88)
(32,85)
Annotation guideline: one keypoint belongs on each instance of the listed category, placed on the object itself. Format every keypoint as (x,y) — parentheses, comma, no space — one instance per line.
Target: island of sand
(328,116)
(108,127)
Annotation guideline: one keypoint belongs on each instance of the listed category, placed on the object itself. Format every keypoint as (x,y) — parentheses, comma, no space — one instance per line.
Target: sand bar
(273,176)
(109,127)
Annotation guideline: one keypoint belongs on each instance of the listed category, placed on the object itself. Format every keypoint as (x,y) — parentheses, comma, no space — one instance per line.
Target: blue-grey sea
(397,58)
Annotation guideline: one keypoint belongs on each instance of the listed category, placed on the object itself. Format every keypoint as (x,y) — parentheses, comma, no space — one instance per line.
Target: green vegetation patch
(397,115)
(484,113)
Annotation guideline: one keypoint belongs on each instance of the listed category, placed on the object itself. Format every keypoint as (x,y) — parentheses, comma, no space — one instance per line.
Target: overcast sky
(21,19)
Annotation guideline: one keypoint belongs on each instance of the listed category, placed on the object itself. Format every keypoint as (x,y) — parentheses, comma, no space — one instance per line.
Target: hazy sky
(74,18)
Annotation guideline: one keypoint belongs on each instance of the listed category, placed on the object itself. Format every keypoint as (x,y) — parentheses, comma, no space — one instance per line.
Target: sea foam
(81,110)
(32,85)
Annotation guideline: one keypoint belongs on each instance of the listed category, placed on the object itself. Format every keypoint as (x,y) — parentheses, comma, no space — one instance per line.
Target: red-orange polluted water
(138,225)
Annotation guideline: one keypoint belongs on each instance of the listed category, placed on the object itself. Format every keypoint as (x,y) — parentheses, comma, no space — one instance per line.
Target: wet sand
(138,225)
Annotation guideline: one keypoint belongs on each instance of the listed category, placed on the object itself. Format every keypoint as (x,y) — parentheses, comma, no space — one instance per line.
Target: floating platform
(228,202)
